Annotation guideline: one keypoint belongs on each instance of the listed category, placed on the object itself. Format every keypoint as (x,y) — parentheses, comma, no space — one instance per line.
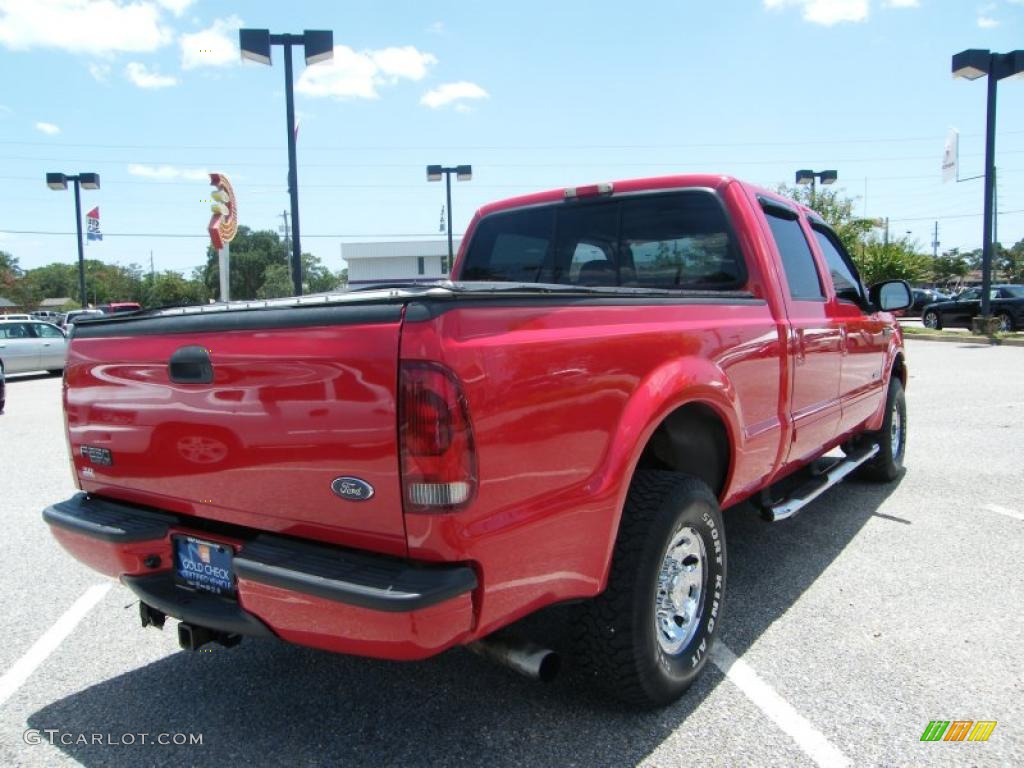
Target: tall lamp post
(811,177)
(59,181)
(970,65)
(319,46)
(462,173)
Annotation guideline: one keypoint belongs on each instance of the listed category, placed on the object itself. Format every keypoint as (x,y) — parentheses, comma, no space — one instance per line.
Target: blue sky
(151,94)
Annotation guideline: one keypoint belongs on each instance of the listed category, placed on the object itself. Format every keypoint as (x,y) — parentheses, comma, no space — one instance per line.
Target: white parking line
(777,709)
(1004,511)
(22,669)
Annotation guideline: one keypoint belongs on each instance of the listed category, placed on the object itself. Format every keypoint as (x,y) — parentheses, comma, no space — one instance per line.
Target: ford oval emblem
(352,489)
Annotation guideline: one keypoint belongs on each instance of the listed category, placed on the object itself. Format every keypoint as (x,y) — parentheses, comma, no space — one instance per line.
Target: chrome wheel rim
(1004,323)
(896,432)
(930,320)
(679,601)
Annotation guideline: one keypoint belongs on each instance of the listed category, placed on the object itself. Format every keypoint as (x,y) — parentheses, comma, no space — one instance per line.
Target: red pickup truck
(395,471)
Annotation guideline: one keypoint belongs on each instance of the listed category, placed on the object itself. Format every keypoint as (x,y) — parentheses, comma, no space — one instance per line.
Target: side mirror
(891,295)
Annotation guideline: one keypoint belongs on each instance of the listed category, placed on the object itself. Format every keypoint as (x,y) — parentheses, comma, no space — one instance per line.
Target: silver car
(31,345)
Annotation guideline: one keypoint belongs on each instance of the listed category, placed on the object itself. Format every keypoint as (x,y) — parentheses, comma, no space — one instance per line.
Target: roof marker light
(591,190)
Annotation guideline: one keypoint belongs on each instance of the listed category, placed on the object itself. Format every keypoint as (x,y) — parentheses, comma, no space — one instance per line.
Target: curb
(966,339)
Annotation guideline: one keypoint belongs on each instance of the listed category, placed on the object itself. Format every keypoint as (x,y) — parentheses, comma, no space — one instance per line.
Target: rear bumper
(324,597)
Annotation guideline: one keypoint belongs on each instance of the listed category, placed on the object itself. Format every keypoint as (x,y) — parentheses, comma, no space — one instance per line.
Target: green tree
(949,266)
(836,210)
(896,260)
(251,254)
(316,276)
(1010,262)
(169,288)
(277,283)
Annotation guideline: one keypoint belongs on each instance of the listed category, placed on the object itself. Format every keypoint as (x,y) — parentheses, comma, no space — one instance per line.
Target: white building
(420,260)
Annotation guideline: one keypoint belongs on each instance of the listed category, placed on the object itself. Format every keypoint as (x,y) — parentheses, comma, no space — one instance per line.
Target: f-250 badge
(352,489)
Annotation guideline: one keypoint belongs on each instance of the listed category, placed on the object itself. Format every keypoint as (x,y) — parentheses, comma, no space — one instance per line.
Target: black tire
(888,464)
(1005,322)
(616,635)
(932,320)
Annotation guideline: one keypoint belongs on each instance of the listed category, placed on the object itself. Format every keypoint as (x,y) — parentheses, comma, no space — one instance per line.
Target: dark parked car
(1007,303)
(923,297)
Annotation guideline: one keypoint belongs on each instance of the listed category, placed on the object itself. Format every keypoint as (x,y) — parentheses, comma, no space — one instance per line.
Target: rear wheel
(1005,322)
(891,438)
(645,639)
(932,320)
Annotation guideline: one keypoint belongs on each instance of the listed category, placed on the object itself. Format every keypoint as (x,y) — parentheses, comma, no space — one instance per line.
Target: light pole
(805,177)
(319,46)
(59,181)
(970,65)
(462,173)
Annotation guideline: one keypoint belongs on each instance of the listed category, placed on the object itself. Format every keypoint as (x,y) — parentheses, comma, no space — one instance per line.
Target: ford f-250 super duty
(396,471)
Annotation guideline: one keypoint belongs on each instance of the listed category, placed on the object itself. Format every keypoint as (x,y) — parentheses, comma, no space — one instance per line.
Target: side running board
(811,490)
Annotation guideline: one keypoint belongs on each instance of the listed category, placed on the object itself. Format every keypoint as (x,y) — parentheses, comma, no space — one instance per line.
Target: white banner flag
(951,156)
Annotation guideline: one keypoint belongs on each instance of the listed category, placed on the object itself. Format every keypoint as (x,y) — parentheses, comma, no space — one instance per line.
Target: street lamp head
(434,172)
(464,172)
(319,45)
(828,177)
(57,181)
(804,177)
(255,44)
(89,180)
(971,64)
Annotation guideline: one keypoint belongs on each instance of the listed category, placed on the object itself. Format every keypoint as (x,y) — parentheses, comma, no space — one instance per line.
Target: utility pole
(935,242)
(886,233)
(287,248)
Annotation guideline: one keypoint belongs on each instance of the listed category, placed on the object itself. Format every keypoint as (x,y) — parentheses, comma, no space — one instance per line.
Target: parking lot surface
(873,612)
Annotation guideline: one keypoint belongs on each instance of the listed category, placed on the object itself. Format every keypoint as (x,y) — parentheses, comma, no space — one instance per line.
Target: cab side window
(844,276)
(797,260)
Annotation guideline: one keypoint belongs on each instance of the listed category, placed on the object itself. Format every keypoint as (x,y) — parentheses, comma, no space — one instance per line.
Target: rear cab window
(665,240)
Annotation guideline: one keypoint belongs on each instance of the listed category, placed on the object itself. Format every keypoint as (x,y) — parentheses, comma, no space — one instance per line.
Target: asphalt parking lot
(873,612)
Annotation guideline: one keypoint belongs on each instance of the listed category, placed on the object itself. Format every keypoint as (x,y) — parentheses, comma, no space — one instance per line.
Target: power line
(431,147)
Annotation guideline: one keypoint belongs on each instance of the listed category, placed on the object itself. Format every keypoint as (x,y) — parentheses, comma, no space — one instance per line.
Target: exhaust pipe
(192,637)
(520,655)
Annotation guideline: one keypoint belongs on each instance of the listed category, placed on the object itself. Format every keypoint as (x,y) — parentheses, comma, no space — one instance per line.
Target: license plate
(204,565)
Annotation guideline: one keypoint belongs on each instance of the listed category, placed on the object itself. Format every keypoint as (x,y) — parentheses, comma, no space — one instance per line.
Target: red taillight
(436,440)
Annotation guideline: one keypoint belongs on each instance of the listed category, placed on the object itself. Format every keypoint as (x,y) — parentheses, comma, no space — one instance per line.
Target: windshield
(673,240)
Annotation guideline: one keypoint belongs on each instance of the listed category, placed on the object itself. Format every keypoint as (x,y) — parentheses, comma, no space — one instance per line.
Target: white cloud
(100,72)
(168,172)
(987,22)
(825,12)
(48,128)
(215,46)
(453,93)
(141,76)
(358,75)
(99,27)
(177,7)
(437,28)
(901,3)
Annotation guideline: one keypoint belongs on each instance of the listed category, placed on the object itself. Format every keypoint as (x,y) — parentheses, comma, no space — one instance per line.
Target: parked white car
(31,345)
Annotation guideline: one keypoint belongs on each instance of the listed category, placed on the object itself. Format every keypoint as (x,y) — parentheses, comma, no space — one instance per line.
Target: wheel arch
(665,427)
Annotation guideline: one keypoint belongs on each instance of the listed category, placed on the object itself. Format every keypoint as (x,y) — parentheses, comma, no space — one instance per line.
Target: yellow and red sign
(224,223)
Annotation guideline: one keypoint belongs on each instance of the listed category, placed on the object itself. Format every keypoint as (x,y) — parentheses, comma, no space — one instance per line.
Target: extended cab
(397,471)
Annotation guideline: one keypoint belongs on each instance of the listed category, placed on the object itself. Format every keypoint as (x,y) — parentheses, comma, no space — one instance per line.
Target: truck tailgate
(291,400)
